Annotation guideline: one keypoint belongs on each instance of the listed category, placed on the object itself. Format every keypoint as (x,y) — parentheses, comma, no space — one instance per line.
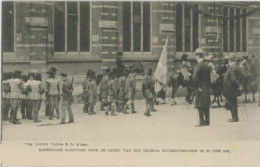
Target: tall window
(72,26)
(187,19)
(8,26)
(234,30)
(136,26)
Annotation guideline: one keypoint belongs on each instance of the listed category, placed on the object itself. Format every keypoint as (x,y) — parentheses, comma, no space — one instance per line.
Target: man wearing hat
(53,89)
(112,94)
(92,93)
(201,80)
(67,99)
(231,87)
(85,87)
(121,91)
(6,95)
(148,90)
(103,89)
(15,95)
(185,67)
(130,91)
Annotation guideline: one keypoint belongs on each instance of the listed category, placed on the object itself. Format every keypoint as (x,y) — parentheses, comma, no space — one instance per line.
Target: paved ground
(169,123)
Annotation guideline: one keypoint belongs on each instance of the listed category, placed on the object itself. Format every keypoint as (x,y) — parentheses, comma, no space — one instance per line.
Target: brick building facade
(75,36)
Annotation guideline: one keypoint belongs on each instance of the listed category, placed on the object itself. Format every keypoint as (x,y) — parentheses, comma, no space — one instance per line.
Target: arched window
(179,27)
(231,31)
(225,30)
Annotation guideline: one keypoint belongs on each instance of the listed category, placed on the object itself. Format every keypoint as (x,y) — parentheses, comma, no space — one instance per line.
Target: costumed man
(232,81)
(15,95)
(67,99)
(245,68)
(201,80)
(213,75)
(92,93)
(130,91)
(111,94)
(53,89)
(85,87)
(6,95)
(24,99)
(148,90)
(103,90)
(185,68)
(35,87)
(121,91)
(31,77)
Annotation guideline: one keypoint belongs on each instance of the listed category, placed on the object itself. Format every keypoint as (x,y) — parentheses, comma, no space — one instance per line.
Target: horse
(218,86)
(176,81)
(249,83)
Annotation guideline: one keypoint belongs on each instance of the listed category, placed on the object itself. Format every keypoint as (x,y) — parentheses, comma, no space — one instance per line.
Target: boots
(113,111)
(133,107)
(125,109)
(153,109)
(147,113)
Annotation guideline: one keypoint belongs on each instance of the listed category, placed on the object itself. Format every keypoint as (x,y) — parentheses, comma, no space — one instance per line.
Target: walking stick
(244,111)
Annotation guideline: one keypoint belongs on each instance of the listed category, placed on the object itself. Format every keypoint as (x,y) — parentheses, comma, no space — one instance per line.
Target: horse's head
(138,68)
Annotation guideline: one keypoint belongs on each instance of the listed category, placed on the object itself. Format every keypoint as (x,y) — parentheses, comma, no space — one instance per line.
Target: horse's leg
(174,89)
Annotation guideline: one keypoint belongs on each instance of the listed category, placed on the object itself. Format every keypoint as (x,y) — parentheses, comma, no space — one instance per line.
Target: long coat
(201,80)
(232,81)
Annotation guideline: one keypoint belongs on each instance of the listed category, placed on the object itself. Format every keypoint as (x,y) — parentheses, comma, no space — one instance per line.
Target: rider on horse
(185,68)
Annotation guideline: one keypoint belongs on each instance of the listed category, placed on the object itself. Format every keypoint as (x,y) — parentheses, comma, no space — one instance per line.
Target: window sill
(75,56)
(131,56)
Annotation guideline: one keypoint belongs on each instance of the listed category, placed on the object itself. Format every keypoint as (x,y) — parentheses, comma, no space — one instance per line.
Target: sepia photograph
(132,73)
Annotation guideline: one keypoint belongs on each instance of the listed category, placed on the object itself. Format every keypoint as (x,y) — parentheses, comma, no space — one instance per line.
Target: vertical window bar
(137,26)
(187,27)
(238,48)
(225,30)
(179,27)
(195,28)
(84,26)
(59,26)
(72,26)
(244,31)
(127,26)
(231,30)
(146,26)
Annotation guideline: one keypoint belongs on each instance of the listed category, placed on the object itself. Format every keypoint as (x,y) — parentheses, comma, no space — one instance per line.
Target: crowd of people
(116,90)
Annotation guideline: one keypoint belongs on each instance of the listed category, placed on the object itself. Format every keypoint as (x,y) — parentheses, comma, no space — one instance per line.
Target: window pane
(238,31)
(8,26)
(195,28)
(127,26)
(137,26)
(244,31)
(178,27)
(231,31)
(59,26)
(225,30)
(72,26)
(146,26)
(187,28)
(84,26)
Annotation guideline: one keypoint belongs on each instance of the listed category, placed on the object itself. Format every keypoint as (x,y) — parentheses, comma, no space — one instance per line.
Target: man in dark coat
(201,80)
(232,81)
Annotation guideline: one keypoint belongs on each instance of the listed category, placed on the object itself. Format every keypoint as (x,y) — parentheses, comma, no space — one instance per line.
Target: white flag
(161,71)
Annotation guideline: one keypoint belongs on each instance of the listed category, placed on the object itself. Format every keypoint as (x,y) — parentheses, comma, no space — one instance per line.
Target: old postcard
(130,83)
